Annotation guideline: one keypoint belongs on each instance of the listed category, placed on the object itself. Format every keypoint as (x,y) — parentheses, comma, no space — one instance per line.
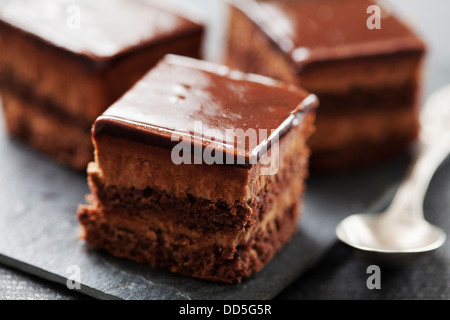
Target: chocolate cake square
(62,63)
(367,78)
(199,169)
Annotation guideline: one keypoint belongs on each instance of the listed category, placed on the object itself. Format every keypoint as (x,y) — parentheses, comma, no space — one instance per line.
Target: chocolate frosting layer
(99,29)
(318,30)
(206,105)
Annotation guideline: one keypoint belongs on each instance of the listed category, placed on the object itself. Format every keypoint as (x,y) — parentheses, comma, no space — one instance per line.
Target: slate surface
(339,275)
(16,285)
(39,229)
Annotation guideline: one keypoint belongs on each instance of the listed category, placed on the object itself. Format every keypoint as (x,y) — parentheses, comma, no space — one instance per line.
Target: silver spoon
(401,233)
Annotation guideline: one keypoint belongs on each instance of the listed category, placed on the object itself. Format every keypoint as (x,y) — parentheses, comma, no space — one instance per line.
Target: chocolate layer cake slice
(199,169)
(63,62)
(367,79)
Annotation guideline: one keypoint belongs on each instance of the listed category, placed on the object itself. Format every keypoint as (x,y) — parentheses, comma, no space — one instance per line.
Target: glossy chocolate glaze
(309,31)
(98,29)
(196,100)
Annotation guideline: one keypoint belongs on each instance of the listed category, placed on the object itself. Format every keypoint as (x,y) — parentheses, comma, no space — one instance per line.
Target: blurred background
(430,19)
(338,275)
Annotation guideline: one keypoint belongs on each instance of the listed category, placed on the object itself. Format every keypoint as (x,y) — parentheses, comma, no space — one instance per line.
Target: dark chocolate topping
(99,29)
(209,104)
(317,30)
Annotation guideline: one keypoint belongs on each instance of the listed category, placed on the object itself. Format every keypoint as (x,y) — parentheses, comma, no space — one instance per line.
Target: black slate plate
(39,231)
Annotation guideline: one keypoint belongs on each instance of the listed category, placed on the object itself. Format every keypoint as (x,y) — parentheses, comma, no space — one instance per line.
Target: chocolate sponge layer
(198,257)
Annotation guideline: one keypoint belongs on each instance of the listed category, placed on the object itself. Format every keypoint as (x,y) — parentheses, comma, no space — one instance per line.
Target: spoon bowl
(401,233)
(377,238)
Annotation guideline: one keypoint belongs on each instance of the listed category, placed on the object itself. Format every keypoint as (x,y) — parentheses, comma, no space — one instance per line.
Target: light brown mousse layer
(56,136)
(149,166)
(362,139)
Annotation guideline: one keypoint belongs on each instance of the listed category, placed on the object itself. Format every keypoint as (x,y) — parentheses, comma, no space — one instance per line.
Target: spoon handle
(408,201)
